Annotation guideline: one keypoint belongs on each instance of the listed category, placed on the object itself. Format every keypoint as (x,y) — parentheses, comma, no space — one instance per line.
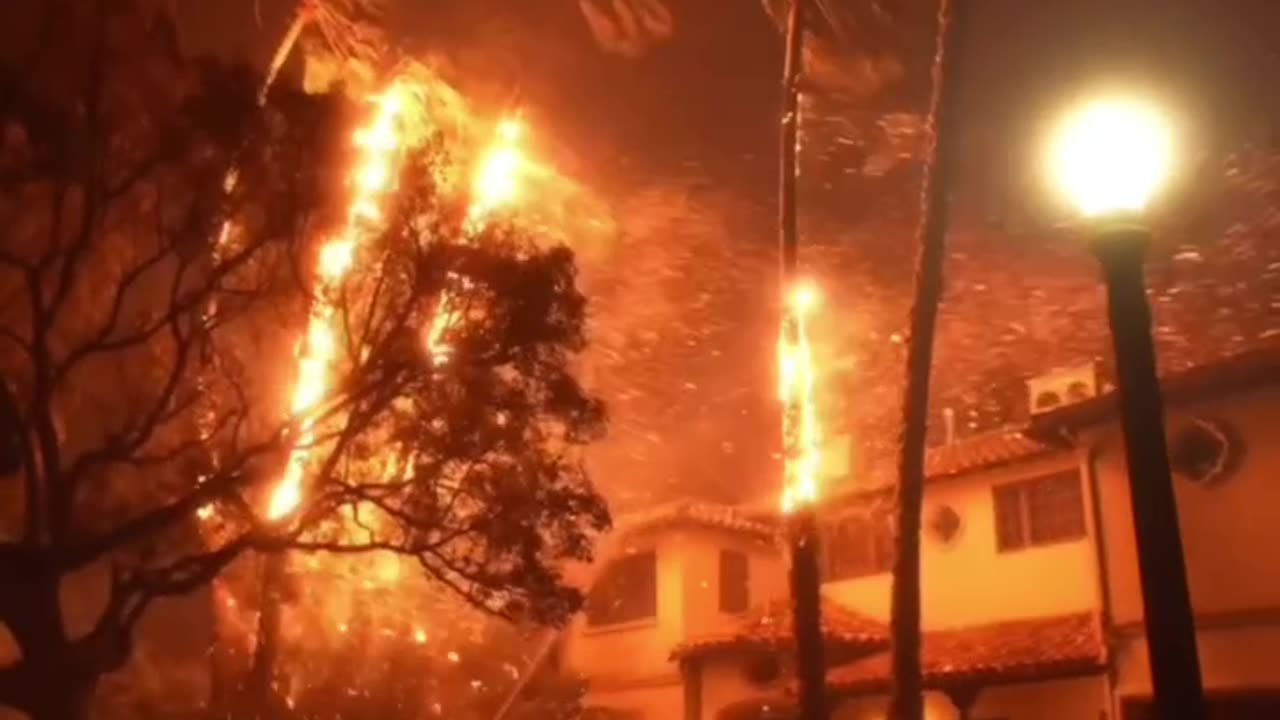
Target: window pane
(851,554)
(859,545)
(734,582)
(627,590)
(1010,534)
(1055,505)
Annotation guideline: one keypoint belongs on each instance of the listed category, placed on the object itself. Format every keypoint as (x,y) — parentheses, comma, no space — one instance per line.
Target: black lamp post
(1166,600)
(1112,158)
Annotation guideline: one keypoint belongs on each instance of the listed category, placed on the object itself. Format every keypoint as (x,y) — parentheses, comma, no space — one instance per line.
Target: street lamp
(1110,158)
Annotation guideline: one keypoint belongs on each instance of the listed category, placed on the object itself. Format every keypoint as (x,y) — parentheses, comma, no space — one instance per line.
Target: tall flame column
(799,427)
(378,144)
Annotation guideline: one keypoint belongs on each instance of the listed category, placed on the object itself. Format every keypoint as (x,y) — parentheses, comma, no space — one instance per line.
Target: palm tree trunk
(906,700)
(264,658)
(788,234)
(262,690)
(300,19)
(806,612)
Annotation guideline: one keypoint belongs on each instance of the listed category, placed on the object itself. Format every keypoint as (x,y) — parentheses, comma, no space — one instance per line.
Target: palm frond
(347,42)
(852,47)
(628,27)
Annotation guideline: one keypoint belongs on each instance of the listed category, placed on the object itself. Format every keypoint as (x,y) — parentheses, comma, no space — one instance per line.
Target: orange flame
(372,178)
(496,185)
(801,436)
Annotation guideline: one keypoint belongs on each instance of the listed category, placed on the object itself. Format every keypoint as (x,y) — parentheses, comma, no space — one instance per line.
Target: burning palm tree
(852,47)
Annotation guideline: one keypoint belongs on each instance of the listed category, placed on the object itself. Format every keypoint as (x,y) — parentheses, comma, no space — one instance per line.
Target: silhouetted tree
(149,429)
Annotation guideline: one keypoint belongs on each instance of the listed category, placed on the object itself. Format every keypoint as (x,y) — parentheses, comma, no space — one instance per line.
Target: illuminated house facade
(1031,600)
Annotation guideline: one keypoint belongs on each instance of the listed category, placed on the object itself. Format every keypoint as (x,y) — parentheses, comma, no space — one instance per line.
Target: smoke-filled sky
(708,91)
(678,138)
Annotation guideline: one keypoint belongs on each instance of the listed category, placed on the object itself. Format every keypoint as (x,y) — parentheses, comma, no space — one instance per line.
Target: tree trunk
(57,677)
(806,611)
(906,701)
(788,162)
(262,675)
(52,686)
(70,698)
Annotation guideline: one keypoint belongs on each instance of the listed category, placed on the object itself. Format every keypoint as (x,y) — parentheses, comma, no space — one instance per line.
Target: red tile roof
(968,455)
(692,512)
(1015,651)
(770,627)
(982,452)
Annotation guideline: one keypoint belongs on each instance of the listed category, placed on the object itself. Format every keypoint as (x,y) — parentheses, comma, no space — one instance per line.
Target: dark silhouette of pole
(806,611)
(789,166)
(807,615)
(1166,601)
(906,698)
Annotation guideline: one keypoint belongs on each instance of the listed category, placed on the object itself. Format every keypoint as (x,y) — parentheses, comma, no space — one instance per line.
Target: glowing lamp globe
(1112,156)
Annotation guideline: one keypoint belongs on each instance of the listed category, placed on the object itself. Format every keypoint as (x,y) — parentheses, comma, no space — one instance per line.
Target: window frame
(877,530)
(1028,531)
(610,573)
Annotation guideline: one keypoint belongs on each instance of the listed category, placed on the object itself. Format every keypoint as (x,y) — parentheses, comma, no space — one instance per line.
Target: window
(626,591)
(734,582)
(1041,511)
(859,545)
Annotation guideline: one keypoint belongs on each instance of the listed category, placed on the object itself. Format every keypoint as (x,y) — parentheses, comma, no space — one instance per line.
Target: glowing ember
(800,433)
(378,143)
(420,636)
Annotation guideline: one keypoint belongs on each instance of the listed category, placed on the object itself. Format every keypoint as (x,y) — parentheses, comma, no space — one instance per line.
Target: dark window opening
(626,591)
(735,594)
(859,545)
(1042,511)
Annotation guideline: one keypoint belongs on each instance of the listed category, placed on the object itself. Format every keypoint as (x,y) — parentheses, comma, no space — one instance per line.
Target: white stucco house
(1031,600)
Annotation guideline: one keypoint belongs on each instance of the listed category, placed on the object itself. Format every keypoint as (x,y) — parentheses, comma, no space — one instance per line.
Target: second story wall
(1230,527)
(625,649)
(637,647)
(704,571)
(1038,565)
